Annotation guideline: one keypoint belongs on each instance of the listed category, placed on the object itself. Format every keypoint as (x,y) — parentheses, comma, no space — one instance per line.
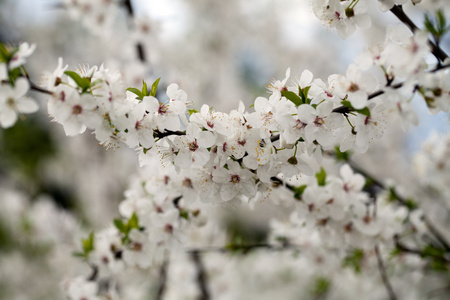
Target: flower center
(193,146)
(235,178)
(162,109)
(168,228)
(77,109)
(319,121)
(187,182)
(353,87)
(137,247)
(11,103)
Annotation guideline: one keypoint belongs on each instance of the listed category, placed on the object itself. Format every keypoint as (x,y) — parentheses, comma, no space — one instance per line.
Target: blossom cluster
(240,153)
(432,166)
(197,163)
(13,89)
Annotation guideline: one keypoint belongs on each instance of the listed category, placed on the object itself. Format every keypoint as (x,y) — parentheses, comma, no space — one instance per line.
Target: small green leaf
(365,111)
(13,75)
(5,55)
(144,88)
(320,287)
(354,260)
(120,225)
(137,92)
(298,192)
(154,87)
(292,97)
(304,94)
(133,222)
(88,244)
(83,82)
(321,177)
(192,111)
(345,156)
(184,214)
(411,204)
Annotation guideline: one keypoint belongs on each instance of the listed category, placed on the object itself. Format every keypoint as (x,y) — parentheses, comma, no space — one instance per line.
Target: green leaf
(88,244)
(298,192)
(184,214)
(304,94)
(292,97)
(345,156)
(137,92)
(133,222)
(120,225)
(320,287)
(321,177)
(5,55)
(144,88)
(192,111)
(437,25)
(411,204)
(13,75)
(154,87)
(83,82)
(354,260)
(364,111)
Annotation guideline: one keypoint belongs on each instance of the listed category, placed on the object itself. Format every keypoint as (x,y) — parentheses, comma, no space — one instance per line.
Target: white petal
(8,118)
(27,106)
(228,191)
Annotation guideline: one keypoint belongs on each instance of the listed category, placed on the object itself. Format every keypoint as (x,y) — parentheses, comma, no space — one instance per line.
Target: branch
(160,135)
(397,10)
(140,50)
(402,201)
(36,88)
(244,248)
(345,110)
(384,276)
(419,252)
(162,280)
(279,181)
(201,276)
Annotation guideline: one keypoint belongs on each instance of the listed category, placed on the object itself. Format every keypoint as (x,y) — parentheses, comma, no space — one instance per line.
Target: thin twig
(436,234)
(162,280)
(201,276)
(400,246)
(36,88)
(279,181)
(140,49)
(160,135)
(402,201)
(384,276)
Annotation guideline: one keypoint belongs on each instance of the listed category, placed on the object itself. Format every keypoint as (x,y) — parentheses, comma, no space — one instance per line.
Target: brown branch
(277,180)
(436,234)
(140,50)
(201,276)
(384,276)
(158,134)
(345,110)
(162,280)
(402,201)
(421,253)
(36,88)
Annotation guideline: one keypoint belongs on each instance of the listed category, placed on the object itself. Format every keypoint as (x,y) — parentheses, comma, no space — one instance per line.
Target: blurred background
(53,187)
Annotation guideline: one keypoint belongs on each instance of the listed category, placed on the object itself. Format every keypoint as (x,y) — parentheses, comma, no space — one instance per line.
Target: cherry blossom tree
(341,232)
